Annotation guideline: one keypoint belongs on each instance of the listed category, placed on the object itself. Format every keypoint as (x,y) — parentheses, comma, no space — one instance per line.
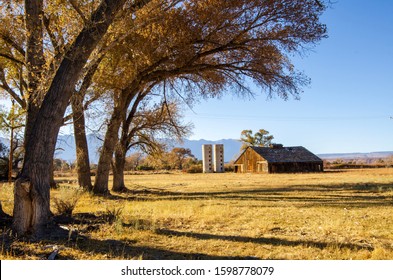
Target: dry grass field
(331,215)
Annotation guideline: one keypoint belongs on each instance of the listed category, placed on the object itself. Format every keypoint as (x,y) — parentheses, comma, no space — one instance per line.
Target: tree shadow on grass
(104,249)
(127,249)
(266,240)
(122,249)
(63,236)
(338,195)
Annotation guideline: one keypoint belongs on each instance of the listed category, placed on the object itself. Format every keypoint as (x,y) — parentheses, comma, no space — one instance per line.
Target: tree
(176,159)
(134,160)
(31,203)
(147,128)
(79,124)
(179,156)
(12,123)
(259,139)
(26,73)
(200,48)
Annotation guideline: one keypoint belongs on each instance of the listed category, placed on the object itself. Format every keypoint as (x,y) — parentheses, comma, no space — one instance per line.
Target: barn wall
(291,167)
(248,162)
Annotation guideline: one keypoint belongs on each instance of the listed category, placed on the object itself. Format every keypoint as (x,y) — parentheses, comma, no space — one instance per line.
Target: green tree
(262,138)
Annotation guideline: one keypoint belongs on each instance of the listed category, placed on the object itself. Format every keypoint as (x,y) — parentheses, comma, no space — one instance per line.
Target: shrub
(66,204)
(229,167)
(65,207)
(113,214)
(144,168)
(196,168)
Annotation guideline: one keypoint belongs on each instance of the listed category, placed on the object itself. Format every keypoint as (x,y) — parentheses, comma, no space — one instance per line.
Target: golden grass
(330,215)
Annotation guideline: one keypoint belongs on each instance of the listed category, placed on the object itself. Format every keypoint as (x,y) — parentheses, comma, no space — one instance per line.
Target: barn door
(262,167)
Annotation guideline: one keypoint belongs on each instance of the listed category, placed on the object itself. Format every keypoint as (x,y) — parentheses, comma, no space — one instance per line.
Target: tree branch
(11,58)
(7,38)
(4,85)
(78,10)
(52,36)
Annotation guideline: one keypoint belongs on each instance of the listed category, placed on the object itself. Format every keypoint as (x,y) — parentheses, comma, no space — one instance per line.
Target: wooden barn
(277,159)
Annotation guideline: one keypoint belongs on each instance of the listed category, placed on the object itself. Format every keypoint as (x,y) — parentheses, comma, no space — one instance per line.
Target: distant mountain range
(66,149)
(372,155)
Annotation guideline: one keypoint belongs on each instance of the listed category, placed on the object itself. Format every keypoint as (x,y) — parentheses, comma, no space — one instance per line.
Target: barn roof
(286,154)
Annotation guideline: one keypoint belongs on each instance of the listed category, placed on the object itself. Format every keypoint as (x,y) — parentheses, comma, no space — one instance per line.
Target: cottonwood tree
(196,46)
(61,22)
(13,83)
(262,138)
(79,104)
(50,85)
(179,156)
(12,122)
(134,160)
(147,127)
(114,37)
(202,48)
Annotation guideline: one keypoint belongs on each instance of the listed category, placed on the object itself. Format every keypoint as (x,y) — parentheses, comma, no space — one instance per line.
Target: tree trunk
(35,61)
(104,162)
(31,200)
(82,150)
(118,168)
(53,183)
(122,145)
(31,193)
(111,138)
(31,209)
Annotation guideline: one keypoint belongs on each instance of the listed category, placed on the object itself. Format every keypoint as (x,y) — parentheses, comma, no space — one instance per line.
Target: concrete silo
(219,158)
(207,161)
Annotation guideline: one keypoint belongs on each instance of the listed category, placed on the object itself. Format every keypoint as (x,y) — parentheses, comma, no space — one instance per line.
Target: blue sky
(347,107)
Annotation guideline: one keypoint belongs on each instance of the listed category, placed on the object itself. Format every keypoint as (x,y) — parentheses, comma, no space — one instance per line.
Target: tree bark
(111,138)
(105,160)
(82,150)
(78,114)
(53,183)
(121,147)
(35,61)
(31,193)
(118,168)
